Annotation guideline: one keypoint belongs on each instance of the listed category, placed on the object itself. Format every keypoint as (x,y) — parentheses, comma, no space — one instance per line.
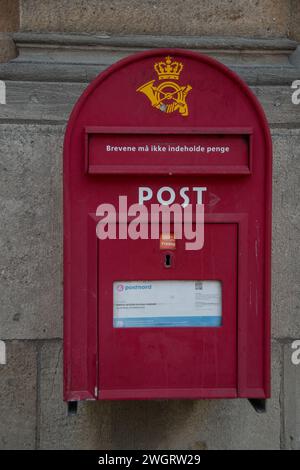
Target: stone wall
(9,21)
(53,67)
(250,18)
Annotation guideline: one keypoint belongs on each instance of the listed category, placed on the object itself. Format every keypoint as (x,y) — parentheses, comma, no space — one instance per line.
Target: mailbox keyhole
(168,261)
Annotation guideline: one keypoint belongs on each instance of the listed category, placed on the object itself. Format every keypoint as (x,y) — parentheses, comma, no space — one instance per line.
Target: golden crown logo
(168,96)
(168,69)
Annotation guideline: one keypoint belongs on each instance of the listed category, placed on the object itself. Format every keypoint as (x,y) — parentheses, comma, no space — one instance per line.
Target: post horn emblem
(167,96)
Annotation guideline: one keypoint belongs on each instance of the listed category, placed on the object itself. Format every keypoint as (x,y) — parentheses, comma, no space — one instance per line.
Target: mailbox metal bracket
(259,404)
(72,408)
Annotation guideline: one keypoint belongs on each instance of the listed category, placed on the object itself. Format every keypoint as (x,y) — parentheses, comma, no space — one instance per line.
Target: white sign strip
(167,303)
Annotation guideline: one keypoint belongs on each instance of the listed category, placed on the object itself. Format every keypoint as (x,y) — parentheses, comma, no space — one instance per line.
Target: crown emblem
(167,95)
(168,69)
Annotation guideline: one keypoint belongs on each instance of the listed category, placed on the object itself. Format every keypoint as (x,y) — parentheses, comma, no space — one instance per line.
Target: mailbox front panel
(148,318)
(169,361)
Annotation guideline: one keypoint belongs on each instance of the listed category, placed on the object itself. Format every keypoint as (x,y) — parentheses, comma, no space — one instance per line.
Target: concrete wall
(9,21)
(253,18)
(42,84)
(294,30)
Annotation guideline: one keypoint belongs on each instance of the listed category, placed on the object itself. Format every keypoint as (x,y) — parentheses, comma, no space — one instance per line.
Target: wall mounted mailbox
(146,317)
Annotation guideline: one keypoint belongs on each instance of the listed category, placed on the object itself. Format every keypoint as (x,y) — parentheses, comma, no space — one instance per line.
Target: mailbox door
(146,362)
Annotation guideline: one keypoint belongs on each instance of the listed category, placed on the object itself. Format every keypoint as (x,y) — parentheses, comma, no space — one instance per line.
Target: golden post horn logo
(168,96)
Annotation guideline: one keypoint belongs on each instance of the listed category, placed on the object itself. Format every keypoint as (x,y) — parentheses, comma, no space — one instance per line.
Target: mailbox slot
(168,151)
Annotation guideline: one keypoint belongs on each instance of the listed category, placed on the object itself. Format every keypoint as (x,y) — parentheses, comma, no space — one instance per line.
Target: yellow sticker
(167,241)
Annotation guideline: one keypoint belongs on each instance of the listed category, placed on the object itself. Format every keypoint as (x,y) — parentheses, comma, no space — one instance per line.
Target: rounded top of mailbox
(169,88)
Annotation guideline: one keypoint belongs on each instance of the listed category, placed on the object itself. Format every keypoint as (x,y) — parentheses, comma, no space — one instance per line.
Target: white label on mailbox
(167,303)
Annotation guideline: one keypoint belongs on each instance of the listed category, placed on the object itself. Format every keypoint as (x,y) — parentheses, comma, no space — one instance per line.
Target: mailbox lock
(168,260)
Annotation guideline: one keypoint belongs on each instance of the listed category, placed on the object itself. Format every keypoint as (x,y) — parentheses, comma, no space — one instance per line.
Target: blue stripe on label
(151,322)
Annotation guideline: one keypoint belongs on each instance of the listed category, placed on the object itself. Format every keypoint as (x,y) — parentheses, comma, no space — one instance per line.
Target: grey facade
(54,64)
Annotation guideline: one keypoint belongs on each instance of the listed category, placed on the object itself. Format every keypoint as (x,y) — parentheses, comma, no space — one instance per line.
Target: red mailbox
(148,318)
